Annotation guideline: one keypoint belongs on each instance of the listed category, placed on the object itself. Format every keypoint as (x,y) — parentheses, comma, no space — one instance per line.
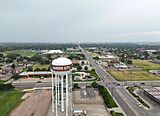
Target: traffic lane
(133,102)
(24,85)
(128,111)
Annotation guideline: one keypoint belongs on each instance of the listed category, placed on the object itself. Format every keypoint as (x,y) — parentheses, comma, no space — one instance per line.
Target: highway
(124,99)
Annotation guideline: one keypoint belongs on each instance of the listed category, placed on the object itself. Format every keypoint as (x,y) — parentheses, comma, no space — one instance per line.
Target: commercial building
(36,74)
(152,93)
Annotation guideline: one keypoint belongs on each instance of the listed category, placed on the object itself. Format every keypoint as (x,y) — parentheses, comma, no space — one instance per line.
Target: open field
(46,66)
(36,105)
(9,100)
(146,65)
(133,75)
(21,52)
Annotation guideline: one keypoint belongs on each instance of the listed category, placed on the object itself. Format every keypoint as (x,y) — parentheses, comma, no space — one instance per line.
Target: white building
(54,52)
(120,66)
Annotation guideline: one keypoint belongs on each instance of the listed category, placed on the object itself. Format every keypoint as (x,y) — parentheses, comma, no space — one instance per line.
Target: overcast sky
(79,20)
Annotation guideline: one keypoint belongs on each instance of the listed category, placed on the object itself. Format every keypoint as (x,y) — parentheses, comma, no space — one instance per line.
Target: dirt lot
(94,106)
(36,105)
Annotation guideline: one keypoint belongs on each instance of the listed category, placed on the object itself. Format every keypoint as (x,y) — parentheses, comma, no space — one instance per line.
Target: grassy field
(21,52)
(133,75)
(146,65)
(8,101)
(116,113)
(40,66)
(1,82)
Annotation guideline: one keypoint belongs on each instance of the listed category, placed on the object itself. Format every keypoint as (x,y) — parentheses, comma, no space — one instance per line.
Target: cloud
(78,20)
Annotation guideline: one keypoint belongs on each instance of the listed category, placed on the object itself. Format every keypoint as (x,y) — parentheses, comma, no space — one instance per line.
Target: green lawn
(146,65)
(116,113)
(93,73)
(133,75)
(8,101)
(108,99)
(1,82)
(23,53)
(46,66)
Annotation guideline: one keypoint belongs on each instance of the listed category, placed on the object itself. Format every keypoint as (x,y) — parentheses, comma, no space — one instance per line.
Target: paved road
(125,100)
(146,83)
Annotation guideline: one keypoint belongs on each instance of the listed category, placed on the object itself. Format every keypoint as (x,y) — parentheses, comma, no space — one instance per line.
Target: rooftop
(54,52)
(61,62)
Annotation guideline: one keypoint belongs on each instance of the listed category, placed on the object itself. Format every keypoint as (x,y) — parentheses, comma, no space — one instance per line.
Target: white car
(139,105)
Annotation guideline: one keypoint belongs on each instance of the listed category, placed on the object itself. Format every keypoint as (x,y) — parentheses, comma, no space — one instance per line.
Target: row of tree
(6,87)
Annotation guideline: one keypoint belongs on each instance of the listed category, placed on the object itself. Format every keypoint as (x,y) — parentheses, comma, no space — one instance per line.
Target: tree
(49,68)
(85,68)
(146,55)
(129,62)
(48,56)
(6,87)
(1,55)
(96,58)
(79,68)
(158,57)
(13,56)
(29,68)
(37,69)
(16,76)
(93,70)
(13,66)
(82,63)
(94,84)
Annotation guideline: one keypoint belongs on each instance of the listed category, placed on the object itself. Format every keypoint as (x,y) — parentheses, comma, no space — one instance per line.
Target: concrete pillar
(56,94)
(66,94)
(52,94)
(62,94)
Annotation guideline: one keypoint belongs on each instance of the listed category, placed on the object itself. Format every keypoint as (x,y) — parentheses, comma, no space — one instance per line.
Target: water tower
(62,87)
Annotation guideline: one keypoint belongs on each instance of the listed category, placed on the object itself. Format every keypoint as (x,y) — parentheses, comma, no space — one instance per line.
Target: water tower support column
(56,94)
(66,94)
(62,99)
(52,94)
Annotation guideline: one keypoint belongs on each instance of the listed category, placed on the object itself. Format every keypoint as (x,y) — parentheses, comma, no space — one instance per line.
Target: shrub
(16,76)
(6,87)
